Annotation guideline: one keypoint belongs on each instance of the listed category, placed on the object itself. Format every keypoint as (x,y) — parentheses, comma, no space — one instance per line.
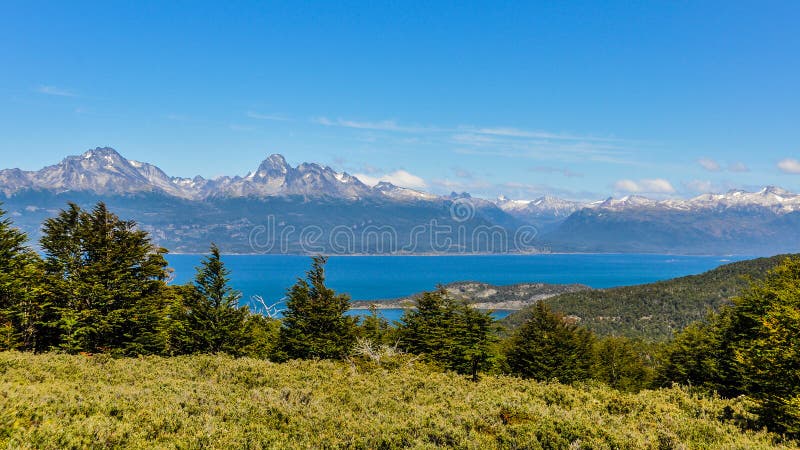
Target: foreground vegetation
(100,290)
(62,401)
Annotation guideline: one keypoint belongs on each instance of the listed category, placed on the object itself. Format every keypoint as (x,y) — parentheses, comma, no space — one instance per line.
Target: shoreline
(414,255)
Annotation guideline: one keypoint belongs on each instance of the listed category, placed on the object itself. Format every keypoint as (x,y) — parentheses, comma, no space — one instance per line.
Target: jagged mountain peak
(101,152)
(274,166)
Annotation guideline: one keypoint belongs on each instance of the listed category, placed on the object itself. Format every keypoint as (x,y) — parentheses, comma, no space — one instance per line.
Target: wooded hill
(655,311)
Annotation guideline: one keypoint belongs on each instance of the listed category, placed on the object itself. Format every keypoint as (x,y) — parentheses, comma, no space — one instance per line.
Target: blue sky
(576,99)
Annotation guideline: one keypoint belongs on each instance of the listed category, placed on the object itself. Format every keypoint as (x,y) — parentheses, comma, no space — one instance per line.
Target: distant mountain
(348,216)
(276,208)
(755,223)
(103,171)
(546,213)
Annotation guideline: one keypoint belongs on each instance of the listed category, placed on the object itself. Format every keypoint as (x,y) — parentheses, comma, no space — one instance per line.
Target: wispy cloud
(738,167)
(461,132)
(646,186)
(260,116)
(518,133)
(555,170)
(498,141)
(789,165)
(53,90)
(400,178)
(709,164)
(713,165)
(383,125)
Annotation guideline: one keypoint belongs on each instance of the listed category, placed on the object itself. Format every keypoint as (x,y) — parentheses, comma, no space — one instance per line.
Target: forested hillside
(656,310)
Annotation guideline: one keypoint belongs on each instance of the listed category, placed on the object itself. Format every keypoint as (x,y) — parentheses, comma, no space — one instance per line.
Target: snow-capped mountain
(779,201)
(103,171)
(185,214)
(546,205)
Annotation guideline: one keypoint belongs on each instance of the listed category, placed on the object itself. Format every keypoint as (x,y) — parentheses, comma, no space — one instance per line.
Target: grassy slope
(655,310)
(59,401)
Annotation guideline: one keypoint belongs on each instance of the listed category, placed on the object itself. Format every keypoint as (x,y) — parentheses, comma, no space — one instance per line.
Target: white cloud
(517,133)
(700,186)
(789,165)
(383,125)
(646,186)
(464,132)
(400,178)
(556,170)
(709,164)
(713,165)
(738,167)
(260,116)
(52,90)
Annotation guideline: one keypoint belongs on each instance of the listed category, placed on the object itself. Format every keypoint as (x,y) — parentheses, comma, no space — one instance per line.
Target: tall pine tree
(548,347)
(20,275)
(448,332)
(216,323)
(314,322)
(104,282)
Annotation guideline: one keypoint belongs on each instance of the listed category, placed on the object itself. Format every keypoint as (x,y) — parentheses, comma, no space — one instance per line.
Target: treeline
(101,286)
(653,311)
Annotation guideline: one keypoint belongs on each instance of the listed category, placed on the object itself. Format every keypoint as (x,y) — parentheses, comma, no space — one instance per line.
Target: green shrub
(201,401)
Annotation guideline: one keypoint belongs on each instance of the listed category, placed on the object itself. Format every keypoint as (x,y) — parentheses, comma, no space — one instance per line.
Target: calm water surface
(387,277)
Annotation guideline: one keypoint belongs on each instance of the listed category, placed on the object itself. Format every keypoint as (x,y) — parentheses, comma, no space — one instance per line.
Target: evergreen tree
(375,328)
(621,364)
(104,281)
(765,336)
(448,332)
(20,275)
(548,347)
(314,323)
(475,334)
(216,323)
(696,357)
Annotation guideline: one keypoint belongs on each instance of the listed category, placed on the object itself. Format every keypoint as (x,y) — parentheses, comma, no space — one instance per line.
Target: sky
(580,100)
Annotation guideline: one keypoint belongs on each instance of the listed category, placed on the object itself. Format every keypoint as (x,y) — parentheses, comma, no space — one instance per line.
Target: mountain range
(311,208)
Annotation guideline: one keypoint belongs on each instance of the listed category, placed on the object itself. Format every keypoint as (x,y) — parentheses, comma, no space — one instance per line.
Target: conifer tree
(448,332)
(314,322)
(216,322)
(104,280)
(620,363)
(548,347)
(20,275)
(375,327)
(765,337)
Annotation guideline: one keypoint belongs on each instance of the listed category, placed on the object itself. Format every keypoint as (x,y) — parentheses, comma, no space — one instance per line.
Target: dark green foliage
(765,336)
(699,356)
(655,311)
(103,283)
(375,328)
(261,336)
(622,364)
(20,276)
(448,332)
(214,321)
(751,347)
(550,347)
(314,322)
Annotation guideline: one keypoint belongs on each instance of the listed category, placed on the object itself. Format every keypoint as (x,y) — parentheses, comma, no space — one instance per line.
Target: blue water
(387,277)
